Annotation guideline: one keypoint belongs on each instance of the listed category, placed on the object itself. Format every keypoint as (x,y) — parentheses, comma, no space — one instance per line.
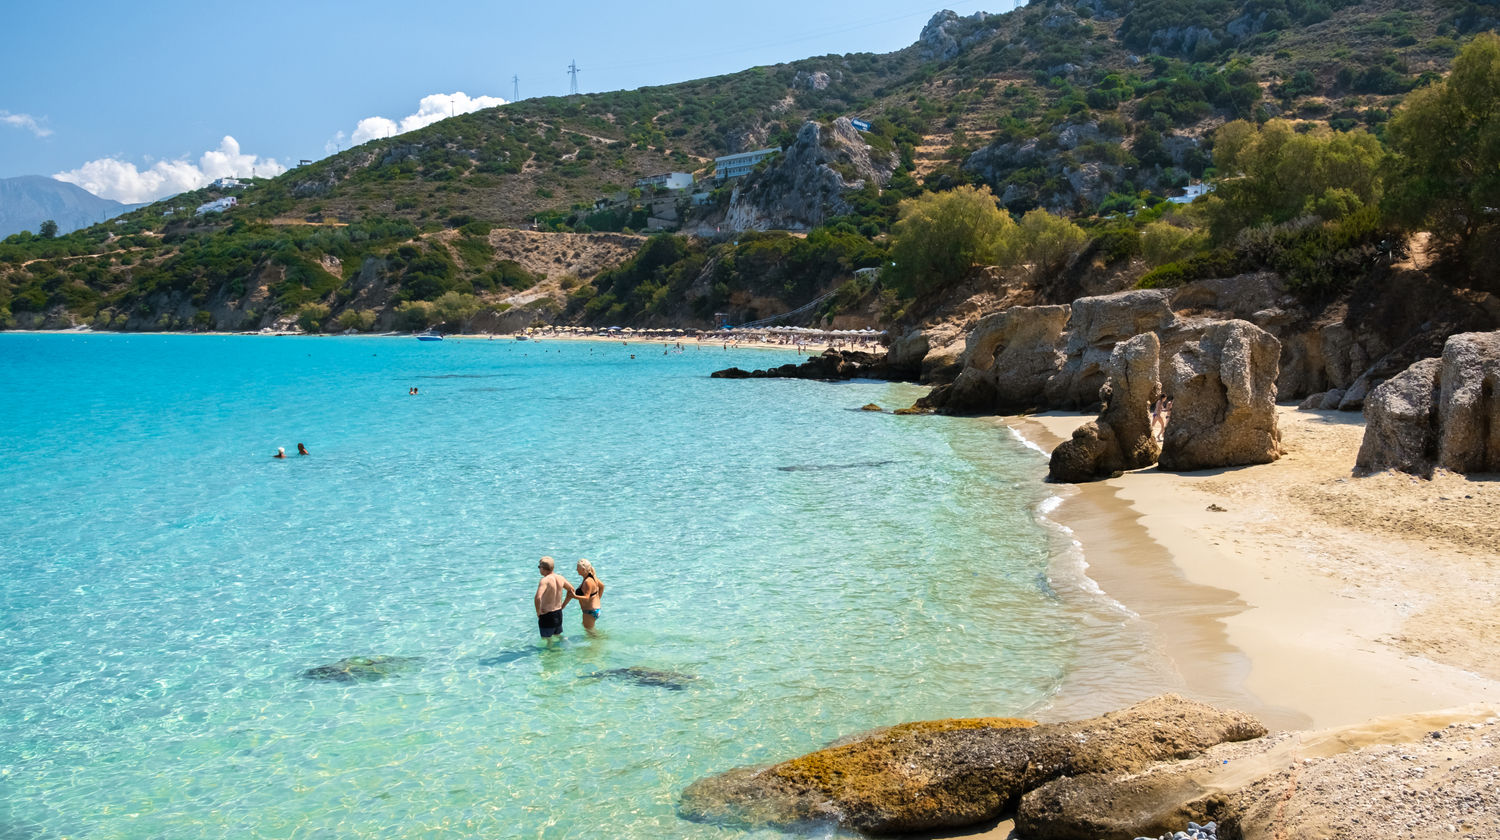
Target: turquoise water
(816,570)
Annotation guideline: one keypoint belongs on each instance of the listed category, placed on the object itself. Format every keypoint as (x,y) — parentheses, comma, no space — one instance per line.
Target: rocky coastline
(1156,768)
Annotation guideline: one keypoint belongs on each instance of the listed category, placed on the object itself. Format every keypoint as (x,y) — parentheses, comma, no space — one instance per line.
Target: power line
(573,72)
(515,91)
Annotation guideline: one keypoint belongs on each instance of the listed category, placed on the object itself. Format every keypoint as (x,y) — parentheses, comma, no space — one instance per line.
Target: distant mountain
(29,200)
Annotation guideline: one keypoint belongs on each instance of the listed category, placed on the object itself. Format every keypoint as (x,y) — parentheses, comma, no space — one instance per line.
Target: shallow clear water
(816,570)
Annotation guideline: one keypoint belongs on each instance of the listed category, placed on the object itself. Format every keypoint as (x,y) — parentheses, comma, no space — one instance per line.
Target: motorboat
(430,335)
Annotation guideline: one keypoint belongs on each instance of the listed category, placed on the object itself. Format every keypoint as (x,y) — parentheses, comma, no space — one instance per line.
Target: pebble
(1207,831)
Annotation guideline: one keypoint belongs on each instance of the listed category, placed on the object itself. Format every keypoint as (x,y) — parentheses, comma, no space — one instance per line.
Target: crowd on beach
(798,338)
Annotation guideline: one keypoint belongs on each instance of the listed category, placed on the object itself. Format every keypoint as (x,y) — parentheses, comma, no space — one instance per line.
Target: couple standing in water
(554,593)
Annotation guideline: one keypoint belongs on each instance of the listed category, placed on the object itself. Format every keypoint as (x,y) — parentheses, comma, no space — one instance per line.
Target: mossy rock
(871,407)
(959,772)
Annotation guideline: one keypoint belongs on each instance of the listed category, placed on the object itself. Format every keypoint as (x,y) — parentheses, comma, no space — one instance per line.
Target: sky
(138,101)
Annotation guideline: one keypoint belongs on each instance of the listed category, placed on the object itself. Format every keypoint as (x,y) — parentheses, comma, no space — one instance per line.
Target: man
(550,593)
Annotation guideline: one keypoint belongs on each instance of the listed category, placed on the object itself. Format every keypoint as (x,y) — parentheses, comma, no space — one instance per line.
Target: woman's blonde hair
(585,567)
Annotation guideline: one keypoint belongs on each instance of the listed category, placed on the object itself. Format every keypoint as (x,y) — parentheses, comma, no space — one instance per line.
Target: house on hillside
(667,181)
(218,205)
(226,183)
(733,166)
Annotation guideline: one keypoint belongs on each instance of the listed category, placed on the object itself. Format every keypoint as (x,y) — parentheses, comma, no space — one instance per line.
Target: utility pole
(515,91)
(573,71)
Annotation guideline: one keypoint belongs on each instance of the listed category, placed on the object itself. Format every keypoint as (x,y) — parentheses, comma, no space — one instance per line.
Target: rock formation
(1097,324)
(1223,394)
(1439,413)
(806,184)
(1006,363)
(832,366)
(1121,439)
(939,774)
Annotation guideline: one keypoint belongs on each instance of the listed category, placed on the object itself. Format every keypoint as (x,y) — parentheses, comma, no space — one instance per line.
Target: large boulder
(1006,363)
(1401,422)
(943,774)
(1223,392)
(1096,325)
(1438,413)
(1469,406)
(1122,438)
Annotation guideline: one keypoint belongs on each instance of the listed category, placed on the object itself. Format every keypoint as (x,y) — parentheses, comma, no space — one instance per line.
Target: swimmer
(302,450)
(280,452)
(588,592)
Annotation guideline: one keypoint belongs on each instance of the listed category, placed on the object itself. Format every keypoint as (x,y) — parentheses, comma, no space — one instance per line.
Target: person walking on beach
(551,593)
(588,593)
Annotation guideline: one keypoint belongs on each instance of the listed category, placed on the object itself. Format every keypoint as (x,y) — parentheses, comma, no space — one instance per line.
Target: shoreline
(1295,603)
(458,337)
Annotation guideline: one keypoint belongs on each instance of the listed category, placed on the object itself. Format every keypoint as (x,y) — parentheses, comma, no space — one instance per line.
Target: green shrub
(1220,263)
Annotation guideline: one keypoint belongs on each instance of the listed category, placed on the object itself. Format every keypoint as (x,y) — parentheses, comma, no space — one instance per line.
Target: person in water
(302,450)
(588,593)
(551,593)
(280,452)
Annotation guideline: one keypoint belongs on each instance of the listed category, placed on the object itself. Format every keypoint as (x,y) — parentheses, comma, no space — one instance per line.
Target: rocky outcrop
(1047,356)
(1439,413)
(831,366)
(907,352)
(941,774)
(1095,326)
(946,34)
(1007,361)
(1420,776)
(1121,439)
(805,185)
(1223,396)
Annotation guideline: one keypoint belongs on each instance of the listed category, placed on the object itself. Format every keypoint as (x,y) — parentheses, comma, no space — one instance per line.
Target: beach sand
(1313,599)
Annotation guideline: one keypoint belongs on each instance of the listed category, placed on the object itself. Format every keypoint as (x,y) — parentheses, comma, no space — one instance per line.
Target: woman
(587,592)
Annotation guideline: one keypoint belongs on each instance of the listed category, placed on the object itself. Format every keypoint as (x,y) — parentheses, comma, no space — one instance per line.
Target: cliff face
(805,185)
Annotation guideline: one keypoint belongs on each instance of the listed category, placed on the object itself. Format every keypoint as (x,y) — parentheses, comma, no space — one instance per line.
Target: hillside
(1098,108)
(29,200)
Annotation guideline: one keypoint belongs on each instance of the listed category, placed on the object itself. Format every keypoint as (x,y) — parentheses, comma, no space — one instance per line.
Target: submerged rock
(362,668)
(951,773)
(651,677)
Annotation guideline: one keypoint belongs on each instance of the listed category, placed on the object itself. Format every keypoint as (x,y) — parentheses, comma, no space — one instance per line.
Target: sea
(782,569)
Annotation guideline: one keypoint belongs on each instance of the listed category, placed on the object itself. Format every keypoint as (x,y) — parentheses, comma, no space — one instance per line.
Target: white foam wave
(1028,442)
(1070,568)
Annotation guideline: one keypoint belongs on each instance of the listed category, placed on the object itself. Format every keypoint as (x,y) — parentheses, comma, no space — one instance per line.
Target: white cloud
(25,121)
(122,181)
(437,106)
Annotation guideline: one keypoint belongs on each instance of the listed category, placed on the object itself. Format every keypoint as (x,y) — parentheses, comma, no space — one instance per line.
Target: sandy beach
(1294,590)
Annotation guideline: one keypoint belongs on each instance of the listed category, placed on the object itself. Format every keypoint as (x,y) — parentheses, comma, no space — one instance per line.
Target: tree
(311,317)
(939,238)
(48,229)
(455,308)
(1447,141)
(1272,174)
(1049,241)
(1163,242)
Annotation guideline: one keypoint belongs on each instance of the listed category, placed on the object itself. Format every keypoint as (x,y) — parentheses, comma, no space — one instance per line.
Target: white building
(1192,191)
(226,183)
(669,181)
(733,166)
(218,205)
